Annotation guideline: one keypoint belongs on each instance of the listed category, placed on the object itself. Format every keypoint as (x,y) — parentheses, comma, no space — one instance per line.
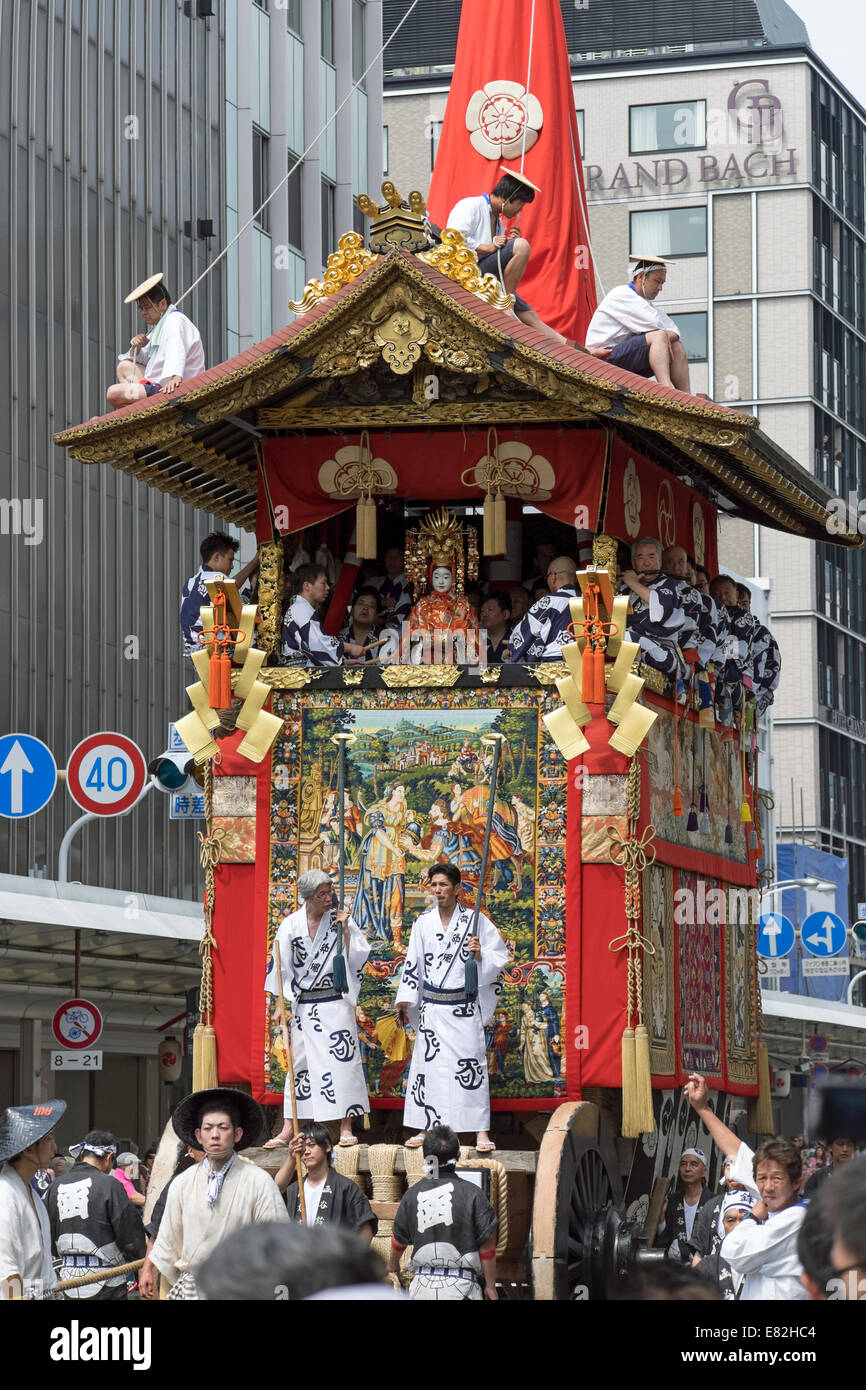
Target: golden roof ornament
(398,223)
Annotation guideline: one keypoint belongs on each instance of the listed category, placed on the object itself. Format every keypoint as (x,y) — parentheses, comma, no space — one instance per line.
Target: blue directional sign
(28,776)
(775,935)
(823,934)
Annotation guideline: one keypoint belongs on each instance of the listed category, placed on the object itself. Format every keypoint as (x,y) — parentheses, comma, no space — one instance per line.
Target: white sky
(837,30)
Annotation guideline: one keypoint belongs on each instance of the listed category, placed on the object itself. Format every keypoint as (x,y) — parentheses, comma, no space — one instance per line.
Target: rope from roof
(224,252)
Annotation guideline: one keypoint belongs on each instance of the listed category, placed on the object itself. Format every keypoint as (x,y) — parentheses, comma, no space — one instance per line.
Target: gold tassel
(500,527)
(761,1105)
(204,1058)
(629,1098)
(643,1114)
(365,528)
(489,540)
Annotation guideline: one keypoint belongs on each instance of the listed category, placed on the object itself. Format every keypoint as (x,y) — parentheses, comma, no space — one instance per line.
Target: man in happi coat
(329,1076)
(303,643)
(94,1225)
(448,1081)
(656,621)
(542,634)
(26,1145)
(217,1196)
(451,1226)
(329,1198)
(742,651)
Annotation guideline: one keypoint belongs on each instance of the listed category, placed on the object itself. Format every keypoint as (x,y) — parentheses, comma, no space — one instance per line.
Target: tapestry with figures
(416,793)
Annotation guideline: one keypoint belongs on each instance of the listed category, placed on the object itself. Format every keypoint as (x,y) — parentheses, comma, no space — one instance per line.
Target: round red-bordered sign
(77,1023)
(106,773)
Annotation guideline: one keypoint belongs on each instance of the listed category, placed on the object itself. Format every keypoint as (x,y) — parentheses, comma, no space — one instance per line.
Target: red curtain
(644,500)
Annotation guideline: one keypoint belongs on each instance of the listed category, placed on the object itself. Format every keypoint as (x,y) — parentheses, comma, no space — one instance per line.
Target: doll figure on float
(443,627)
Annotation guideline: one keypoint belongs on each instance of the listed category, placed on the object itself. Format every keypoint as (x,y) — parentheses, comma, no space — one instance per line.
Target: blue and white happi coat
(543,632)
(658,625)
(448,1082)
(303,641)
(194,597)
(329,1078)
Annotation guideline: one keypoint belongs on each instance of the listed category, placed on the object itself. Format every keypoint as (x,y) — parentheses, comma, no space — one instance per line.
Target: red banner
(311,479)
(644,500)
(511,102)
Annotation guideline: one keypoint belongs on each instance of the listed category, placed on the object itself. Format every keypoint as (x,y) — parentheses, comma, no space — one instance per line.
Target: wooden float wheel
(577,1214)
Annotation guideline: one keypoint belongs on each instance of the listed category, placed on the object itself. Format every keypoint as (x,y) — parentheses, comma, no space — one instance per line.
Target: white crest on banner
(698,534)
(667,525)
(503,119)
(631,499)
(346,474)
(521,472)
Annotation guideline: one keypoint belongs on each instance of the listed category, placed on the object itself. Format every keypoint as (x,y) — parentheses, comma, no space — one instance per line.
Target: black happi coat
(94,1225)
(342,1203)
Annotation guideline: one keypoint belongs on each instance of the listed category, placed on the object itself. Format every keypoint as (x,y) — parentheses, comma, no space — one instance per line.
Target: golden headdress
(441,540)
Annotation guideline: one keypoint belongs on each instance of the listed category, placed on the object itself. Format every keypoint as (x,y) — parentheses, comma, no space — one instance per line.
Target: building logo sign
(753,118)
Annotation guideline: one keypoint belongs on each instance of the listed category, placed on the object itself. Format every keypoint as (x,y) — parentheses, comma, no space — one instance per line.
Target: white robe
(766,1252)
(178,351)
(622,313)
(25,1239)
(448,1082)
(329,1077)
(190,1229)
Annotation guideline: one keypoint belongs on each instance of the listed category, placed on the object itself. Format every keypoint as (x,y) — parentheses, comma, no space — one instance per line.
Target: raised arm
(697,1094)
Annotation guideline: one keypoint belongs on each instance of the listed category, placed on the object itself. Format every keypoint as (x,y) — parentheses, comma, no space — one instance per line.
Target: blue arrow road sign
(775,935)
(28,775)
(823,934)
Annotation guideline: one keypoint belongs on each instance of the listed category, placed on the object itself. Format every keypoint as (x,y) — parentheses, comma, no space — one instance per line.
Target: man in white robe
(26,1145)
(160,360)
(448,1082)
(216,1196)
(763,1247)
(630,331)
(329,1076)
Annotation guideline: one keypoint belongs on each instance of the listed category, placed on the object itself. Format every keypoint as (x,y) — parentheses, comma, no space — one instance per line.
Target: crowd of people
(697,630)
(781,1226)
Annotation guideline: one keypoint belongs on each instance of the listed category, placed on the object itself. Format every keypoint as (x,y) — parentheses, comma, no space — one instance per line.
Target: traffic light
(859,930)
(175,772)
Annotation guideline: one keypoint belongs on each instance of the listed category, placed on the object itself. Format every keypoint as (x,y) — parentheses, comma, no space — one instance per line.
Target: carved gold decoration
(415,677)
(292,677)
(353,675)
(396,225)
(270,595)
(490,674)
(604,555)
(344,265)
(400,335)
(471,411)
(455,259)
(548,672)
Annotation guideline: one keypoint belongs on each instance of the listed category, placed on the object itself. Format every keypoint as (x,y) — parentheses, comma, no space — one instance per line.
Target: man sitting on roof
(656,621)
(505,257)
(542,634)
(631,332)
(304,643)
(160,360)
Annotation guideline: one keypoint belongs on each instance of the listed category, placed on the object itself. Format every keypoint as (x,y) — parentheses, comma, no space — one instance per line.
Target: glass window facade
(693,332)
(668,127)
(327,36)
(329,230)
(294,200)
(261,177)
(669,232)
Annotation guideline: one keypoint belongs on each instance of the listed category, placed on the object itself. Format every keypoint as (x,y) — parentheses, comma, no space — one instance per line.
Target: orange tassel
(678,802)
(220,681)
(592,675)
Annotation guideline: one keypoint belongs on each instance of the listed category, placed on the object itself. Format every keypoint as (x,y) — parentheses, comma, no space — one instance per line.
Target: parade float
(404,390)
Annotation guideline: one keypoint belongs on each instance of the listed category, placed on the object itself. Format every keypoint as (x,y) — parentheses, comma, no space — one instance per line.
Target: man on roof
(157,361)
(630,331)
(502,255)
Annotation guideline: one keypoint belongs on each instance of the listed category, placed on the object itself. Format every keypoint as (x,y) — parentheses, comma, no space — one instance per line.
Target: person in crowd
(214,1198)
(665,1281)
(630,331)
(764,1246)
(94,1225)
(451,1226)
(160,360)
(753,664)
(814,1248)
(474,595)
(504,256)
(703,630)
(768,664)
(543,557)
(736,1206)
(289,1262)
(394,589)
(675,1231)
(329,1198)
(303,641)
(448,1080)
(702,579)
(841,1151)
(656,621)
(495,618)
(127,1171)
(845,1198)
(520,602)
(706,1236)
(329,1077)
(363,627)
(26,1145)
(217,553)
(542,634)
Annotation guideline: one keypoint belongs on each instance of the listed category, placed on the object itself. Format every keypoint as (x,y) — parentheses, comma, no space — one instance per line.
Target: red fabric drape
(502,54)
(644,500)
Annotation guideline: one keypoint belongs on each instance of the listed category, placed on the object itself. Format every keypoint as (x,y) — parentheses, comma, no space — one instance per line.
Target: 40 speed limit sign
(106,773)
